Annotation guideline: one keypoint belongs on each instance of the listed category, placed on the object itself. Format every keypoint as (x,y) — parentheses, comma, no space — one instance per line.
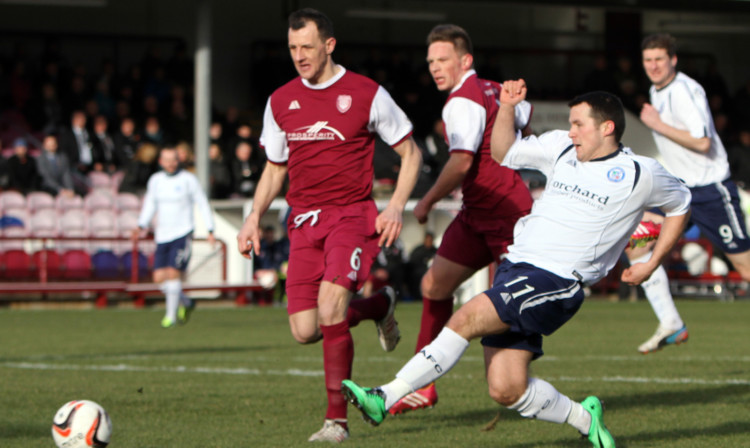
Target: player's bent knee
(505,394)
(307,337)
(432,289)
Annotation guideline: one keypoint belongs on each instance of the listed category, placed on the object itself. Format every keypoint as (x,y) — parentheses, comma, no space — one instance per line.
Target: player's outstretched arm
(503,131)
(671,230)
(269,186)
(390,221)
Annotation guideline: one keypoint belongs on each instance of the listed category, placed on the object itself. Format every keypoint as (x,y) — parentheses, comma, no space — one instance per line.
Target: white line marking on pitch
(177,369)
(316,373)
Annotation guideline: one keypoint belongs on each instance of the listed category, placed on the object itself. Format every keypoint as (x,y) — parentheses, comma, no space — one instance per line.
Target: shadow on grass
(671,437)
(427,420)
(702,395)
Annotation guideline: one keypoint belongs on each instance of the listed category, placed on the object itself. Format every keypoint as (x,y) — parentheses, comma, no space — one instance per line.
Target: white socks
(659,296)
(172,290)
(542,401)
(432,362)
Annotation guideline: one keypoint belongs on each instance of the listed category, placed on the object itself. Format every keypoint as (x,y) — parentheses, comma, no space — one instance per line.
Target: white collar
(464,78)
(329,83)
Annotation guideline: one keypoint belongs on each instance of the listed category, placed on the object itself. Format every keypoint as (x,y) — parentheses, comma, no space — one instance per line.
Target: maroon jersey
(324,133)
(469,115)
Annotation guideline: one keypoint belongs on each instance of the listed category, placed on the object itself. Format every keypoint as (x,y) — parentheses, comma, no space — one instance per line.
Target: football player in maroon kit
(494,197)
(319,129)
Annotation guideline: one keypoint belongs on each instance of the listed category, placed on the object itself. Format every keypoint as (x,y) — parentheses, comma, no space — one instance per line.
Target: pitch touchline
(299,372)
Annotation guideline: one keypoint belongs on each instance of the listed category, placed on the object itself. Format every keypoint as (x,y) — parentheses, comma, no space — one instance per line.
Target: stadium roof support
(202,120)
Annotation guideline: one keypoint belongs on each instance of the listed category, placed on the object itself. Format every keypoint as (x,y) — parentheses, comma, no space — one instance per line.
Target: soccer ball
(81,423)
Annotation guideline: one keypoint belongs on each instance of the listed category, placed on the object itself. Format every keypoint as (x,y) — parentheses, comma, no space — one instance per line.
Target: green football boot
(599,436)
(371,402)
(184,312)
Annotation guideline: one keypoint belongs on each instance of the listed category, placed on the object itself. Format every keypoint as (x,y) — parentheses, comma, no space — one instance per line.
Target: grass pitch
(234,377)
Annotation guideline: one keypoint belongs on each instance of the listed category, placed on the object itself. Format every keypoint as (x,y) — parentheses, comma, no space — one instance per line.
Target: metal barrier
(128,284)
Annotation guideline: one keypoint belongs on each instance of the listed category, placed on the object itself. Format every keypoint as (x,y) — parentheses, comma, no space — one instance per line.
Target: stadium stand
(40,200)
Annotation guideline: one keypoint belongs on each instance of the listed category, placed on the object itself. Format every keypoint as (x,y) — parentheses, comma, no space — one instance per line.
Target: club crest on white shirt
(616,174)
(343,103)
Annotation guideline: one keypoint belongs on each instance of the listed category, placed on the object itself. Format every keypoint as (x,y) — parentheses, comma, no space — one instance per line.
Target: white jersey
(580,225)
(172,199)
(682,104)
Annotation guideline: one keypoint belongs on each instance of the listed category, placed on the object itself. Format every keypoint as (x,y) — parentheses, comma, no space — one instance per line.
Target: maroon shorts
(337,244)
(474,239)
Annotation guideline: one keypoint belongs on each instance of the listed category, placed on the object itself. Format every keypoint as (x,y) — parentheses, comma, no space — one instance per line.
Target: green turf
(234,378)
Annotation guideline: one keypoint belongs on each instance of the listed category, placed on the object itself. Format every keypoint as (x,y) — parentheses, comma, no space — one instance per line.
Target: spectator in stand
(216,133)
(54,169)
(75,143)
(245,170)
(23,175)
(220,178)
(419,261)
(180,122)
(105,154)
(140,169)
(153,132)
(243,133)
(126,141)
(185,156)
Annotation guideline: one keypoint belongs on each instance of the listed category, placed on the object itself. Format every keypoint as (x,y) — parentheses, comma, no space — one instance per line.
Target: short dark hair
(298,20)
(453,34)
(660,40)
(604,107)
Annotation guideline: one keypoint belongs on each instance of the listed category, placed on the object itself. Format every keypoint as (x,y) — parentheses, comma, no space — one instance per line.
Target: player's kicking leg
(671,329)
(507,371)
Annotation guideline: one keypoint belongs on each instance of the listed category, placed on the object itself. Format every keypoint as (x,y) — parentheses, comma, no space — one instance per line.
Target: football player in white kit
(594,199)
(171,195)
(680,119)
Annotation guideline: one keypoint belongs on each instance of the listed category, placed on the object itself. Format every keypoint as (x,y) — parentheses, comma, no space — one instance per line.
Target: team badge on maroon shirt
(343,103)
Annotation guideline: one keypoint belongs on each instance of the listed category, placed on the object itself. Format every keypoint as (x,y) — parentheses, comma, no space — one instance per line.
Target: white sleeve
(273,138)
(537,153)
(523,114)
(668,193)
(464,124)
(149,204)
(199,197)
(690,107)
(387,119)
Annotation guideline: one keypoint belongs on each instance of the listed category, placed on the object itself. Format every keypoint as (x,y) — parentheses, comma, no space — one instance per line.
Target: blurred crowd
(60,120)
